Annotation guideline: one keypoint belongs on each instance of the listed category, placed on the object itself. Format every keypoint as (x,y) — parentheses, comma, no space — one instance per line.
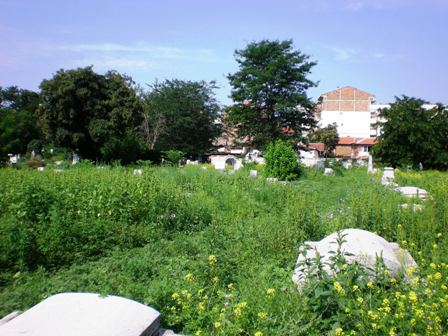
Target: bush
(282,161)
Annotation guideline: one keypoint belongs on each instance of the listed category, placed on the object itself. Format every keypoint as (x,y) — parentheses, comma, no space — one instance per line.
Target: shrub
(282,161)
(173,156)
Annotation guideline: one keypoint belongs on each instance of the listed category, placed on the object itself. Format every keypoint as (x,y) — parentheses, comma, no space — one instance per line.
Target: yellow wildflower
(215,279)
(438,276)
(412,296)
(237,311)
(270,291)
(355,288)
(370,285)
(258,333)
(217,325)
(262,315)
(198,333)
(242,305)
(339,332)
(338,288)
(189,277)
(212,259)
(175,296)
(360,300)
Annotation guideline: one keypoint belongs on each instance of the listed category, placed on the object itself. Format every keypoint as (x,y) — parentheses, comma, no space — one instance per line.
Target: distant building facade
(350,109)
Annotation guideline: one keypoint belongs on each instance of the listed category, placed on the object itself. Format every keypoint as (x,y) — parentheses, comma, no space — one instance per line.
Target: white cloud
(343,54)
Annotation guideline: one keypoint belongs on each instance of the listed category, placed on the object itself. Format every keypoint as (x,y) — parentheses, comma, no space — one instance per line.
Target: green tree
(95,114)
(328,136)
(412,134)
(282,161)
(180,115)
(17,122)
(269,91)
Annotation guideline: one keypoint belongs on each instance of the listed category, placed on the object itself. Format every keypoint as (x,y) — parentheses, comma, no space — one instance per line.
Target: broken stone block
(86,314)
(328,172)
(411,192)
(361,246)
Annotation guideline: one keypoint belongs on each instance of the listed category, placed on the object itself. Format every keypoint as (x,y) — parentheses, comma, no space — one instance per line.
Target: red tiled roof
(357,141)
(319,146)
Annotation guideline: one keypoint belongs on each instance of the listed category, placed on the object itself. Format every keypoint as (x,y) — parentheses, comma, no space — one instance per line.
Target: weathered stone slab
(328,172)
(9,317)
(253,173)
(411,192)
(138,172)
(86,314)
(361,246)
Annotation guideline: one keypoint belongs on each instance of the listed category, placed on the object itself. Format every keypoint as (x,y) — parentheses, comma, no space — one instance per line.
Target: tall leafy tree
(180,115)
(412,134)
(269,92)
(17,121)
(95,114)
(327,135)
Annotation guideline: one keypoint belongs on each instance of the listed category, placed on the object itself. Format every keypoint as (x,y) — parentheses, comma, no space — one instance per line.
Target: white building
(350,109)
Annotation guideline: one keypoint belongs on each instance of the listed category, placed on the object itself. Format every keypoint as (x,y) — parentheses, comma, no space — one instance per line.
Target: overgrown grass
(199,244)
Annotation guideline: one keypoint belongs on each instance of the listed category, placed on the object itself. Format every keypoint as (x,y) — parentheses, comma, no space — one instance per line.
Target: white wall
(219,161)
(350,123)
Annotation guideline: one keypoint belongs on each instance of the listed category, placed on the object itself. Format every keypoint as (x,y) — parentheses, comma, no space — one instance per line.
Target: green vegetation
(269,91)
(413,135)
(328,136)
(282,161)
(215,252)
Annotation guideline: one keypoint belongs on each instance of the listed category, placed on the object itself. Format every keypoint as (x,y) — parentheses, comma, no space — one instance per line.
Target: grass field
(215,252)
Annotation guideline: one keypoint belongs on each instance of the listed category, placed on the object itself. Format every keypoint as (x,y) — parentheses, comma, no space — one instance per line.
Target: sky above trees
(387,47)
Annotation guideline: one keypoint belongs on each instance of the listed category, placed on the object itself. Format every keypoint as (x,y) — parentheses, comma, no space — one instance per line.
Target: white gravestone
(253,173)
(138,172)
(86,314)
(361,246)
(328,172)
(411,192)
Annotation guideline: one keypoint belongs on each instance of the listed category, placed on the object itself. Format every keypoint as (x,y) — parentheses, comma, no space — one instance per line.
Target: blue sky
(385,47)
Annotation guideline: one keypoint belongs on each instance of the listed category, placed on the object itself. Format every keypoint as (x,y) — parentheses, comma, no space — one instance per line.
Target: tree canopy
(92,113)
(180,115)
(17,122)
(412,134)
(269,92)
(327,135)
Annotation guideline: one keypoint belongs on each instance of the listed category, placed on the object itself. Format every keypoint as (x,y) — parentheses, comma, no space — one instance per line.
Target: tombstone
(271,179)
(87,314)
(204,168)
(138,172)
(359,246)
(328,172)
(415,207)
(388,173)
(370,165)
(75,159)
(420,166)
(58,171)
(58,163)
(253,173)
(9,317)
(33,154)
(411,192)
(13,159)
(40,168)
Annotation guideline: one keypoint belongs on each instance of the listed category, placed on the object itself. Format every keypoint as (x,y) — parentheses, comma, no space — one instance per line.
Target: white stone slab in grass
(361,246)
(328,172)
(253,173)
(138,172)
(84,314)
(411,192)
